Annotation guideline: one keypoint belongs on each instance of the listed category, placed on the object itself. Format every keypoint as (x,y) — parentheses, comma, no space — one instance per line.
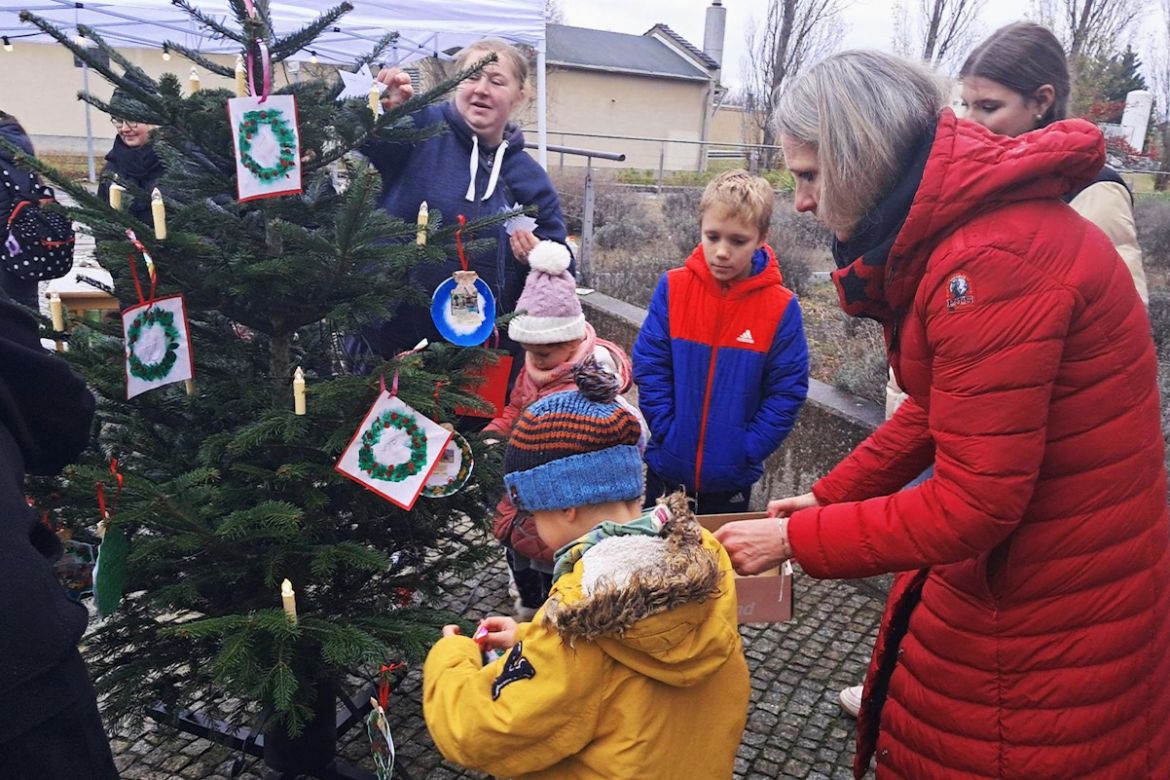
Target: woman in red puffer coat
(1028,632)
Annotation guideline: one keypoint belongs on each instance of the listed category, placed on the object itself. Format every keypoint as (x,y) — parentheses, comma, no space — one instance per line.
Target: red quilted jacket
(1029,633)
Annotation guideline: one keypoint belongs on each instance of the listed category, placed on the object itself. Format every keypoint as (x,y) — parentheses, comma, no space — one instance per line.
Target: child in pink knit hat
(554,335)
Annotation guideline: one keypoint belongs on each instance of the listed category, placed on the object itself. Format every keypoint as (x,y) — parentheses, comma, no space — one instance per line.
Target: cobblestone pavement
(795,728)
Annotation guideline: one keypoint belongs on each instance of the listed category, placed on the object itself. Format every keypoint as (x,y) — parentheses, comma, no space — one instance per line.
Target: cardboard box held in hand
(763,598)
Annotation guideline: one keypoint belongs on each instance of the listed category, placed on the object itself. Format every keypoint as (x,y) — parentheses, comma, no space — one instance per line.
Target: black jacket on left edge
(46,416)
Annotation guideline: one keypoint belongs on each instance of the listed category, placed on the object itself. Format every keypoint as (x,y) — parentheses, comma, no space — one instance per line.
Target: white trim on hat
(527,329)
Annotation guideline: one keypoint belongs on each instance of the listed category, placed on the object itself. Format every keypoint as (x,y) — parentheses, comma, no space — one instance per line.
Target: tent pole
(91,169)
(541,107)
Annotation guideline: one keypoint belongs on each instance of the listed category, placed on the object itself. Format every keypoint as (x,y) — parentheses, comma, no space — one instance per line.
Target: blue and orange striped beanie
(575,447)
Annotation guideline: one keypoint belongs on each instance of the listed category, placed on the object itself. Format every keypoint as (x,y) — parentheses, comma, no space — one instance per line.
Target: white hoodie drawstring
(473,166)
(496,165)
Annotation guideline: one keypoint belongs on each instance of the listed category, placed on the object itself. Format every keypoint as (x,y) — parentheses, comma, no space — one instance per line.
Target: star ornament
(357,84)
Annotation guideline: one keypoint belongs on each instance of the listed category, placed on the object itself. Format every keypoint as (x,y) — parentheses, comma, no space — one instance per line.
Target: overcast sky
(868,23)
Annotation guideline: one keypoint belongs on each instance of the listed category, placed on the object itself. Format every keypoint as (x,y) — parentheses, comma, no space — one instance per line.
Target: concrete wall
(830,425)
(609,103)
(734,125)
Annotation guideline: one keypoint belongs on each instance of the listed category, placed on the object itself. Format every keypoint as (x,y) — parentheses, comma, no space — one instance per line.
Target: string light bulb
(312,57)
(166,53)
(7,44)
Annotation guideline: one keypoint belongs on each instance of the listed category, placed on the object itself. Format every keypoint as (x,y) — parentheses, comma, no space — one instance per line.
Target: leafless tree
(941,32)
(1159,68)
(554,12)
(792,35)
(1089,29)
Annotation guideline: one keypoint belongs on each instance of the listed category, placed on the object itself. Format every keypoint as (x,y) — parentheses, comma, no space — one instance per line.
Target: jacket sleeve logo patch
(516,668)
(959,292)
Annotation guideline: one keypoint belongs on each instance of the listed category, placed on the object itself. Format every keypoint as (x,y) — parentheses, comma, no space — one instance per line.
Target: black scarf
(138,166)
(862,260)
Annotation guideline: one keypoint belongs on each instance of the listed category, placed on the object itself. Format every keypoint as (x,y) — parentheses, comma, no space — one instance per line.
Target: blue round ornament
(463,318)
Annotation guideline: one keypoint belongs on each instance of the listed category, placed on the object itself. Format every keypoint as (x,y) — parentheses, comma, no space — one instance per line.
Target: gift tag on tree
(463,307)
(109,573)
(267,144)
(158,344)
(394,451)
(452,471)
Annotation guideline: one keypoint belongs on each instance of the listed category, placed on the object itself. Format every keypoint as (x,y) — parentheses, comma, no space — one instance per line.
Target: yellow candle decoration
(241,77)
(116,191)
(299,391)
(57,315)
(159,211)
(375,99)
(56,312)
(193,80)
(189,384)
(289,599)
(423,217)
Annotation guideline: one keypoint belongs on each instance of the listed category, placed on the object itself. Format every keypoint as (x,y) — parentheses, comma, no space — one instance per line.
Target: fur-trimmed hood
(651,603)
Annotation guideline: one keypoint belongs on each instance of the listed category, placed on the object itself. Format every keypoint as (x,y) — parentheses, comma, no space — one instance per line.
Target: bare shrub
(621,217)
(862,367)
(1152,215)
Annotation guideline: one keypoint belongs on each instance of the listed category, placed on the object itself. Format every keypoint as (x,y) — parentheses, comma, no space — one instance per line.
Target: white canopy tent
(425,28)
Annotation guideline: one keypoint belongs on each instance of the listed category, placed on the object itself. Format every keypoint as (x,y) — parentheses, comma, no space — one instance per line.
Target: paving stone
(795,728)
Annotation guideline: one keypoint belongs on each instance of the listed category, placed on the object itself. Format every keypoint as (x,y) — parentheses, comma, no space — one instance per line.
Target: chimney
(713,32)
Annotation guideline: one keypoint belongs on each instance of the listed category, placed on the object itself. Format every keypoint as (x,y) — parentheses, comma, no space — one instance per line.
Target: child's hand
(451,630)
(496,633)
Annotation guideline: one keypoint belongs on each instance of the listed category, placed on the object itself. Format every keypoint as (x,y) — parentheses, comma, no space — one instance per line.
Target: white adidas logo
(746,337)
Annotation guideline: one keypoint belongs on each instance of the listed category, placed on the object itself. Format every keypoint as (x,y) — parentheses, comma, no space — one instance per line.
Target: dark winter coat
(20,290)
(1029,634)
(722,370)
(437,170)
(45,421)
(137,168)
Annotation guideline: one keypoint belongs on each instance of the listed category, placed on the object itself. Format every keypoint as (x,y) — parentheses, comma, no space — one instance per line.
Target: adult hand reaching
(398,87)
(522,243)
(755,545)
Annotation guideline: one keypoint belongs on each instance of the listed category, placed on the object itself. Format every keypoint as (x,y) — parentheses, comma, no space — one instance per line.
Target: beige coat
(1109,206)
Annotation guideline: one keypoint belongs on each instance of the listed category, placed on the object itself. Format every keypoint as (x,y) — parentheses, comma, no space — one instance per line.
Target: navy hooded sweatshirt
(439,171)
(46,414)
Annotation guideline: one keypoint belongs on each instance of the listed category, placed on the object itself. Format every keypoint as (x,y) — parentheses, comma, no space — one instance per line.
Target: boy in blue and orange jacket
(721,361)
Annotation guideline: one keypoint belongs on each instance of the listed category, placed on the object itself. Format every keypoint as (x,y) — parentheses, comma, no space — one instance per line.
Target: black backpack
(40,241)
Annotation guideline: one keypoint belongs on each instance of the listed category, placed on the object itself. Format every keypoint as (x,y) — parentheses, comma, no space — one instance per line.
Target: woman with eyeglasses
(133,161)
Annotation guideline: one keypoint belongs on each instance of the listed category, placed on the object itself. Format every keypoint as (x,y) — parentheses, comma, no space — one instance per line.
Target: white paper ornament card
(394,451)
(267,144)
(158,344)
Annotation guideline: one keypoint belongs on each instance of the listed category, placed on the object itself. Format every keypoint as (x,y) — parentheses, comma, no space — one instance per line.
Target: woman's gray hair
(862,112)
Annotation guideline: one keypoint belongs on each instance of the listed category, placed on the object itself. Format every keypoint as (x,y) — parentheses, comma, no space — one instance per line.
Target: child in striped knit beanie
(639,627)
(552,330)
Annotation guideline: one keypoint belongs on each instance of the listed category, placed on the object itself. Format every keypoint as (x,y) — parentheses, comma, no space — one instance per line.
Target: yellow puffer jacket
(644,680)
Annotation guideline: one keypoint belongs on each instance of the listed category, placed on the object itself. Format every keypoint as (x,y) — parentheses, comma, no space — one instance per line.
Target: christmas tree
(223,493)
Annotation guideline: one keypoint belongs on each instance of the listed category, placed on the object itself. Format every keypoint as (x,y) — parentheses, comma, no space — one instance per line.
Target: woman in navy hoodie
(477,168)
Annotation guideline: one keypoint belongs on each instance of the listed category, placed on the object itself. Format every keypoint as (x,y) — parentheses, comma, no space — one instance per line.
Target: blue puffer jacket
(722,370)
(438,170)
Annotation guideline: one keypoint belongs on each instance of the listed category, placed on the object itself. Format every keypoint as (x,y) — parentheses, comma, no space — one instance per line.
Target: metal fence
(660,159)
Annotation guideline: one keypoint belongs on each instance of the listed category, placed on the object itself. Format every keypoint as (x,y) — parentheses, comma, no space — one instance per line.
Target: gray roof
(682,42)
(581,47)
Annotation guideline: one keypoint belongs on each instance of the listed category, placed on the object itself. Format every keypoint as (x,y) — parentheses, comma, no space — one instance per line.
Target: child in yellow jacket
(633,667)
